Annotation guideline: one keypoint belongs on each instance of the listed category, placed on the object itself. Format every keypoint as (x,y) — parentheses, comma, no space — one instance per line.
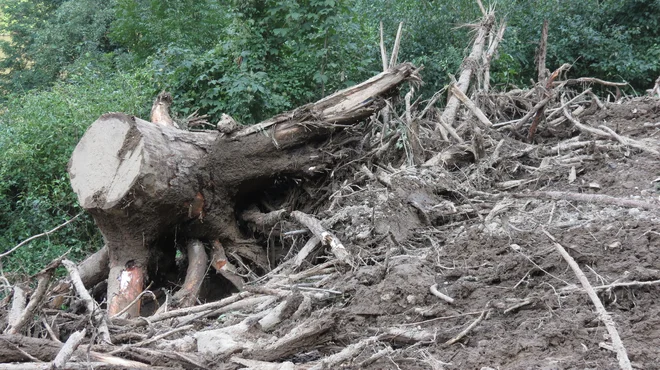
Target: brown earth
(538,315)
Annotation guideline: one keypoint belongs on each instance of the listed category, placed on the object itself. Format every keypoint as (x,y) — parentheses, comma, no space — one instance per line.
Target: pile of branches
(472,151)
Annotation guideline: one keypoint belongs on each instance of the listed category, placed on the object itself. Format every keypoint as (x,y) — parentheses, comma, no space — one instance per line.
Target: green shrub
(612,39)
(38,132)
(48,36)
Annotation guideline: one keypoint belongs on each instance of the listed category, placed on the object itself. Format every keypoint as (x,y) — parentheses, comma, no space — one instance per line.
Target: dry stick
(434,290)
(469,64)
(603,315)
(481,6)
(327,238)
(431,102)
(346,354)
(375,357)
(39,236)
(617,285)
(630,142)
(151,340)
(383,55)
(488,56)
(413,131)
(471,106)
(36,298)
(548,88)
(580,80)
(608,133)
(518,305)
(597,100)
(91,305)
(440,125)
(560,110)
(383,52)
(590,198)
(68,349)
(134,301)
(395,49)
(519,123)
(190,310)
(542,51)
(311,244)
(236,306)
(35,301)
(50,331)
(275,315)
(656,88)
(576,113)
(468,329)
(225,268)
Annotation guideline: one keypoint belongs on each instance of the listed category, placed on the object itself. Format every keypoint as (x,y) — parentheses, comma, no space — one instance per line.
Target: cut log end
(106,161)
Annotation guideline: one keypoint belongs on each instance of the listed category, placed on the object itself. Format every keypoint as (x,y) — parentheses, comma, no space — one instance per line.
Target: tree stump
(148,184)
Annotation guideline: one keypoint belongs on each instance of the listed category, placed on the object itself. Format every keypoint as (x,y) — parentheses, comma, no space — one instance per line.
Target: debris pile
(441,239)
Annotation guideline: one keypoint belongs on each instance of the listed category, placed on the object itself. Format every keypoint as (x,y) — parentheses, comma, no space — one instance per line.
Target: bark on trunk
(147,184)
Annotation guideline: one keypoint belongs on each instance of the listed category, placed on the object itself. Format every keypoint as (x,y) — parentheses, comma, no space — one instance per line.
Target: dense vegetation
(70,61)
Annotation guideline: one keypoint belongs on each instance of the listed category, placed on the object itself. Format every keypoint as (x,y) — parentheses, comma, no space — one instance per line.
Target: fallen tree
(430,247)
(150,186)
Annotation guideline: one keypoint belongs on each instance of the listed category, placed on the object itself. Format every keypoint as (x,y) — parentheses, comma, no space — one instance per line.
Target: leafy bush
(612,39)
(47,36)
(38,132)
(270,56)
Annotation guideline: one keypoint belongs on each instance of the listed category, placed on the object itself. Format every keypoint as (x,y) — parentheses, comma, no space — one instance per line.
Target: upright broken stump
(137,180)
(148,185)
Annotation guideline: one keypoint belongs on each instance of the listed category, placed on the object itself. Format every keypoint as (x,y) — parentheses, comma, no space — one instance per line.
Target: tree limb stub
(141,181)
(327,238)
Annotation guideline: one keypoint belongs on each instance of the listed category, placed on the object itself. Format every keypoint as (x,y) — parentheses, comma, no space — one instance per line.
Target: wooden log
(197,264)
(141,181)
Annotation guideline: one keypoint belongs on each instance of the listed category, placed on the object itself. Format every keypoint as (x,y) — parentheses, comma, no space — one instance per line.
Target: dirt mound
(493,257)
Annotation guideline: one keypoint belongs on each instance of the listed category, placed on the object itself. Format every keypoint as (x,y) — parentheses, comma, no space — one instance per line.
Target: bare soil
(538,315)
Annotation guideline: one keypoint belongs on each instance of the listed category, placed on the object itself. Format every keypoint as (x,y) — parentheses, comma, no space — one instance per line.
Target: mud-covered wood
(142,181)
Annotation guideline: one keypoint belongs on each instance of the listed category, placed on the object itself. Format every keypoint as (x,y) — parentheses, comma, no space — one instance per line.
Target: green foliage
(144,27)
(612,40)
(269,57)
(47,36)
(38,132)
(432,34)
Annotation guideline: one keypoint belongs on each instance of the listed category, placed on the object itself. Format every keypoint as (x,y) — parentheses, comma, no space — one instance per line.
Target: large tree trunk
(147,185)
